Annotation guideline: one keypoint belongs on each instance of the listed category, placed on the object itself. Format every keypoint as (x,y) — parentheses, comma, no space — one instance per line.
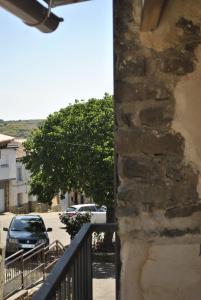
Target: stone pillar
(158,143)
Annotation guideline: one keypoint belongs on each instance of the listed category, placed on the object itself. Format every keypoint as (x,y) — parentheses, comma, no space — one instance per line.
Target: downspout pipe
(32,13)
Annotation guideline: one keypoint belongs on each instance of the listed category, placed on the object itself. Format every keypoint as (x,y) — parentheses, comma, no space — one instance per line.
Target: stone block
(134,67)
(125,119)
(179,181)
(144,168)
(178,171)
(189,28)
(126,92)
(136,197)
(184,192)
(156,116)
(139,91)
(158,91)
(143,141)
(179,65)
(179,212)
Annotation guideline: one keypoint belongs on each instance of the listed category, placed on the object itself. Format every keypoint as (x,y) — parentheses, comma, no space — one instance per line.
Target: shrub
(74,224)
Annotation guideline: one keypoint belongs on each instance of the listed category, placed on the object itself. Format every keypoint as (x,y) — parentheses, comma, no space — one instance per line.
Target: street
(51,219)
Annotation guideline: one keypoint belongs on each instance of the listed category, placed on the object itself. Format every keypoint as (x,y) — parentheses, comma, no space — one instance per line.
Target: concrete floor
(104,289)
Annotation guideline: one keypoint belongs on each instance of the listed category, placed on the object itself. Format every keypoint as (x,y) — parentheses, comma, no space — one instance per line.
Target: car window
(100,208)
(31,225)
(87,208)
(82,209)
(70,209)
(103,208)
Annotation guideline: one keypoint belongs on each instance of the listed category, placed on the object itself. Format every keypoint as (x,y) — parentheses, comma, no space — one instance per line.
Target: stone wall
(38,207)
(158,101)
(23,209)
(31,206)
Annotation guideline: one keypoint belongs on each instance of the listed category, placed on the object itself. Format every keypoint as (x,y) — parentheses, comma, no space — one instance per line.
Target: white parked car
(98,213)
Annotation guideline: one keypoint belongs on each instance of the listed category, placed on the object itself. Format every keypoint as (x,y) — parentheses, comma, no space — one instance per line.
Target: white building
(14,178)
(7,169)
(20,200)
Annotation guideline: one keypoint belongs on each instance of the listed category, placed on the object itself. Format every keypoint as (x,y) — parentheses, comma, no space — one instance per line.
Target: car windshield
(31,225)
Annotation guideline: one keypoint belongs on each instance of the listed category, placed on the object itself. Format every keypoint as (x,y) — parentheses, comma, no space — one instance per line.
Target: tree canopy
(74,148)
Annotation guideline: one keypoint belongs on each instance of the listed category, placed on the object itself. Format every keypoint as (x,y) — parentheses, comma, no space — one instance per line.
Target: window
(19,173)
(88,208)
(3,160)
(19,199)
(70,209)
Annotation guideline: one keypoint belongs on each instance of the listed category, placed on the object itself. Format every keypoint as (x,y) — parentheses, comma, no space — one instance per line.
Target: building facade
(7,169)
(20,200)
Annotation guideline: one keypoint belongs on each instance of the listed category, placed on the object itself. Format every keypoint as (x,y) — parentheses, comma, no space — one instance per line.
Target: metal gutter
(64,2)
(32,13)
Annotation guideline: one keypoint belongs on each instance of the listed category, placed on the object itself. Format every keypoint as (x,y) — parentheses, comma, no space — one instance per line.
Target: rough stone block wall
(38,207)
(158,195)
(23,209)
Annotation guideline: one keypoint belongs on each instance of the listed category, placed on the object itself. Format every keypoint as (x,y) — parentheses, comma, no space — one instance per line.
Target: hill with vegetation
(20,128)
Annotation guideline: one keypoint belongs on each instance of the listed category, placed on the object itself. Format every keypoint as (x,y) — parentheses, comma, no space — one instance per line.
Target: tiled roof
(5,138)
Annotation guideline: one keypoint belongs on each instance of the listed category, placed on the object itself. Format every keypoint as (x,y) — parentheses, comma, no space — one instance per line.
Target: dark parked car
(26,232)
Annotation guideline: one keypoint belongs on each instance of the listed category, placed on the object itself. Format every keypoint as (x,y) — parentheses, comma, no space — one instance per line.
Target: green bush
(74,224)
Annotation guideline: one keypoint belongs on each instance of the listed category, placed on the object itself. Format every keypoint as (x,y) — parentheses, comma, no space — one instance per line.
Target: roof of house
(5,139)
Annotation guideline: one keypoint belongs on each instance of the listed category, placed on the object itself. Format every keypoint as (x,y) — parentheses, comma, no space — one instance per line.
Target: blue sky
(41,73)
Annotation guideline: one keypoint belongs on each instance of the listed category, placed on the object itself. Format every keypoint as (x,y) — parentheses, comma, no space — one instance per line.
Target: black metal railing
(71,278)
(23,270)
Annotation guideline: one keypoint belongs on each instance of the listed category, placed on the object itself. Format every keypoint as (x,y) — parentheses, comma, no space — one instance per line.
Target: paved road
(51,219)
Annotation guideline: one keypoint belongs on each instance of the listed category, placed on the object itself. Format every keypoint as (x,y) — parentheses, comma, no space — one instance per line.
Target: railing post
(117,264)
(89,268)
(22,270)
(2,279)
(43,258)
(57,248)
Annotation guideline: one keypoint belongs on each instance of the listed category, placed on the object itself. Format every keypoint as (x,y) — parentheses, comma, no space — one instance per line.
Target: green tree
(74,148)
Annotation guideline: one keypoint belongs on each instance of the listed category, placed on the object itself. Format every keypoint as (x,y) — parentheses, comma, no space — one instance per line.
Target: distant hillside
(19,129)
